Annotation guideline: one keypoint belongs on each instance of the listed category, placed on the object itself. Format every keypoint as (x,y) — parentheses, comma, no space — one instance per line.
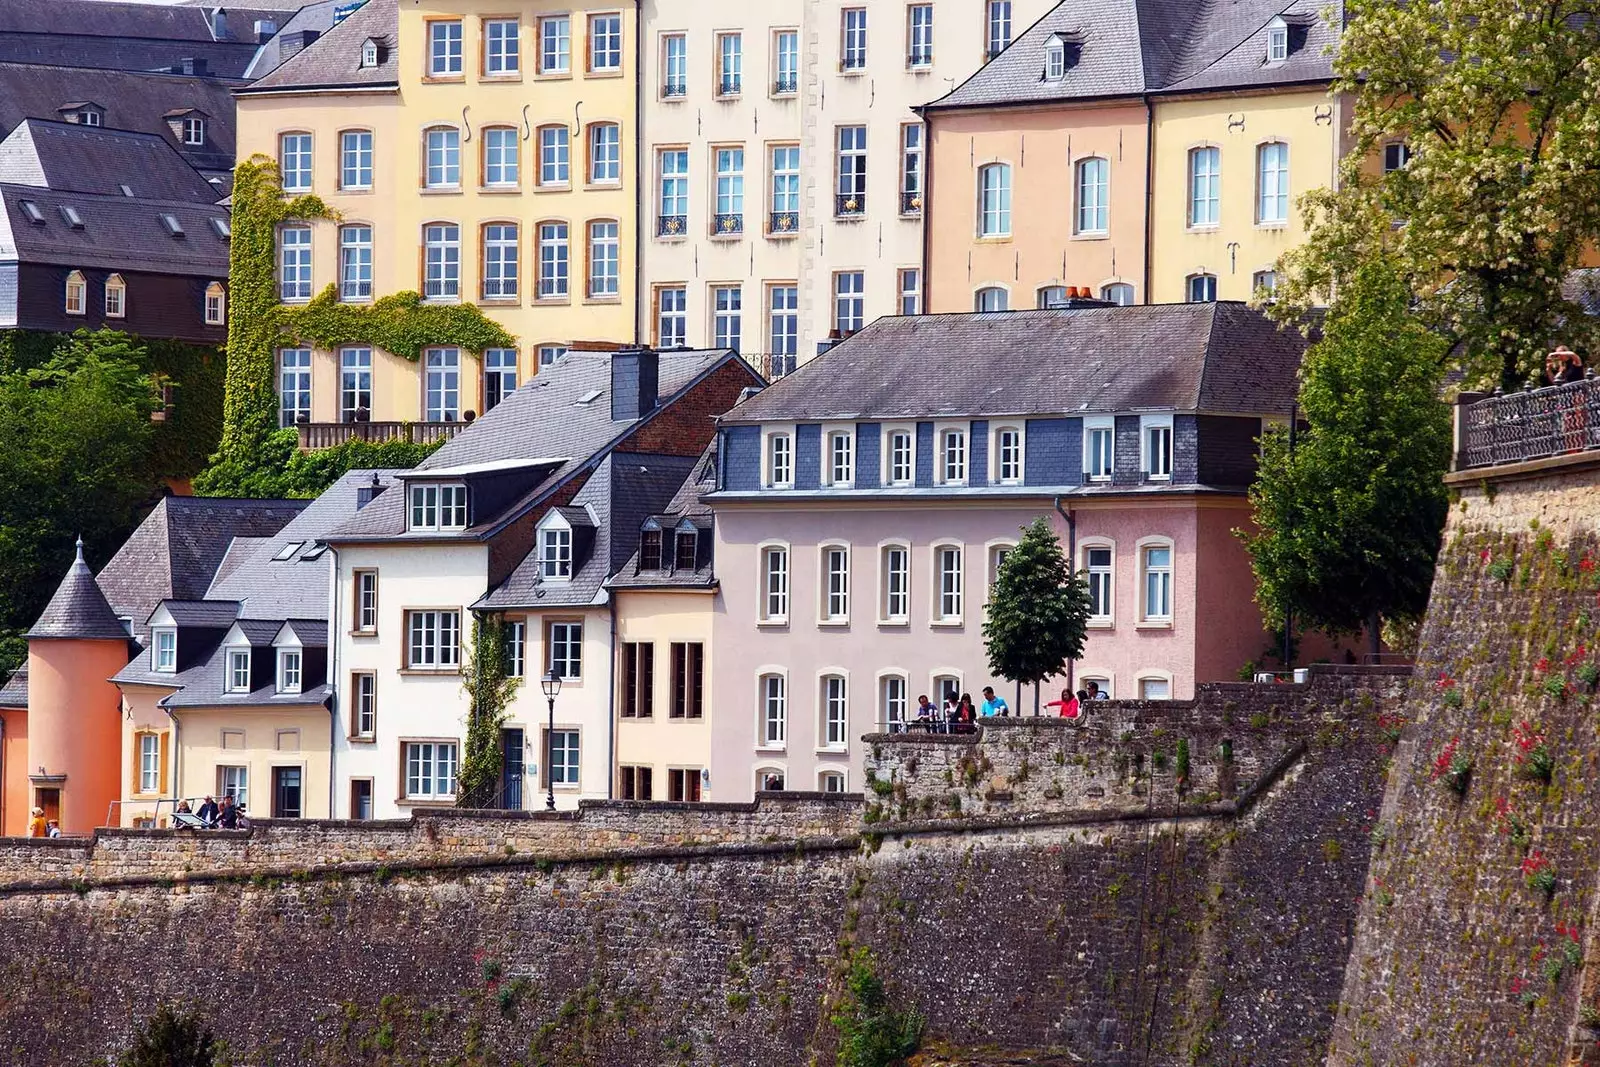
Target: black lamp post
(551,684)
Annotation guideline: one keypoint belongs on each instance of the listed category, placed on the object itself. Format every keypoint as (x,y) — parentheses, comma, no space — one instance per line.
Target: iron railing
(729,85)
(910,201)
(847,205)
(783,222)
(727,223)
(674,89)
(671,225)
(786,83)
(1518,427)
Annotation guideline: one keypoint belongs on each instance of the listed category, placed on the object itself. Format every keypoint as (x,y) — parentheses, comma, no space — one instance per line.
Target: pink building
(866,500)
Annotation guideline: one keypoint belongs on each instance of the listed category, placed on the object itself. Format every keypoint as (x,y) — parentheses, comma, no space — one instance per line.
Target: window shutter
(164,760)
(133,765)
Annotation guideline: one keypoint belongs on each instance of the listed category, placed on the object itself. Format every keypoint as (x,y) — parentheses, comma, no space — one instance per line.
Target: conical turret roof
(79,609)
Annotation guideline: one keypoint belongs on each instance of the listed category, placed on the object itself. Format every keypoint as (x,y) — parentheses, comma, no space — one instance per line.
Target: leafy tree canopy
(1038,612)
(1499,102)
(1348,523)
(276,467)
(171,1039)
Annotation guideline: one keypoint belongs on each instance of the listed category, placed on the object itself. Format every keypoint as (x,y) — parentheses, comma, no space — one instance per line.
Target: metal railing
(847,205)
(727,223)
(910,202)
(671,225)
(786,84)
(783,222)
(675,89)
(729,85)
(314,435)
(1553,421)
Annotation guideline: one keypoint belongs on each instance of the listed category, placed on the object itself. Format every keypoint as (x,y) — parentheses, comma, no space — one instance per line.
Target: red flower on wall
(1577,655)
(1445,681)
(1586,564)
(1543,664)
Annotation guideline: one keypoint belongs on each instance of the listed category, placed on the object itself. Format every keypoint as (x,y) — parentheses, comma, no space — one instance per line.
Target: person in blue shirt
(993,705)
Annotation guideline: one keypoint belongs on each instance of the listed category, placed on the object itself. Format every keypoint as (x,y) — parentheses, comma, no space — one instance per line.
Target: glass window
(501,150)
(116,297)
(194,131)
(288,671)
(775,584)
(674,203)
(785,183)
(548,354)
(444,158)
(951,581)
(441,244)
(786,50)
(992,298)
(365,687)
(564,757)
(355,263)
(1120,293)
(849,301)
(1154,689)
(672,317)
(438,507)
(604,260)
(149,763)
(555,45)
(442,388)
(566,649)
(501,47)
(687,556)
(1097,564)
(355,383)
(893,701)
(294,282)
(780,460)
(896,605)
(500,253)
(852,170)
(366,601)
(355,159)
(294,162)
(1093,206)
(1396,156)
(730,191)
(1205,186)
(1051,296)
(239,670)
(1008,455)
(726,316)
(216,304)
(830,781)
(499,376)
(1158,449)
(674,65)
(919,35)
(555,552)
(1158,582)
(994,200)
(783,329)
(836,584)
(552,260)
(555,159)
(1272,183)
(901,451)
(444,48)
(433,638)
(835,711)
(911,168)
(1099,442)
(431,769)
(1277,41)
(605,42)
(910,291)
(1055,60)
(774,710)
(1264,281)
(234,782)
(853,30)
(1202,288)
(605,152)
(997,28)
(730,63)
(294,386)
(164,656)
(953,457)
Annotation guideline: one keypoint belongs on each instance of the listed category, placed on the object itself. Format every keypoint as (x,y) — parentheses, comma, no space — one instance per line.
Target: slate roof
(14,694)
(315,17)
(124,36)
(1222,358)
(117,233)
(74,158)
(334,59)
(545,418)
(687,503)
(1137,47)
(175,552)
(132,101)
(78,610)
(205,614)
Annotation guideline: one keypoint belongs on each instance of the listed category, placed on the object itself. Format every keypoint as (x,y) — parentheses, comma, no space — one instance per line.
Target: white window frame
(1207,281)
(886,456)
(849,300)
(355,263)
(164,650)
(994,200)
(997,36)
(1277,40)
(355,160)
(1204,187)
(555,45)
(428,773)
(1113,290)
(1108,680)
(1152,428)
(853,40)
(555,552)
(769,595)
(833,583)
(149,763)
(427,648)
(441,376)
(838,454)
(674,66)
(886,716)
(937,602)
(441,157)
(502,259)
(570,663)
(828,777)
(769,740)
(436,506)
(555,157)
(441,259)
(919,36)
(364,704)
(502,157)
(231,683)
(943,474)
(1143,548)
(994,554)
(296,165)
(997,472)
(294,256)
(1272,183)
(445,50)
(502,50)
(291,670)
(117,309)
(1055,59)
(827,705)
(730,63)
(605,259)
(605,153)
(605,42)
(786,62)
(1153,675)
(216,304)
(566,756)
(1106,576)
(1091,197)
(992,298)
(769,478)
(894,584)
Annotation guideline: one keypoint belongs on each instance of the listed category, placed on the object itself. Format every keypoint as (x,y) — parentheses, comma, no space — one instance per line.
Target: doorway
(286,792)
(512,768)
(361,798)
(50,801)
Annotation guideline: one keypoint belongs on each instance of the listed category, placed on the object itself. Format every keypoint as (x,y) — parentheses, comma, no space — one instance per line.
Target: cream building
(784,166)
(474,154)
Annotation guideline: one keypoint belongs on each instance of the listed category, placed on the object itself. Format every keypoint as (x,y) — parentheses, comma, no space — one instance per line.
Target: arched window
(77,294)
(994,200)
(1202,288)
(1051,296)
(1120,293)
(1093,189)
(116,297)
(992,298)
(216,304)
(772,699)
(833,710)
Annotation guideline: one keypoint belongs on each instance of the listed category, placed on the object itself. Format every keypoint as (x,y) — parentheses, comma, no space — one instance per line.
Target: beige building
(784,166)
(475,155)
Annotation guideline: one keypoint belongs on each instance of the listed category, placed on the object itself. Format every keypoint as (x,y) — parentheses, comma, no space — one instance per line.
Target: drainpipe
(1149,192)
(1071,518)
(611,704)
(177,751)
(639,333)
(927,204)
(333,683)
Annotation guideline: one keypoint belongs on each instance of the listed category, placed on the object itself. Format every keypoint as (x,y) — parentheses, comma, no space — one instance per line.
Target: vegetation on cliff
(489,690)
(171,1039)
(872,1032)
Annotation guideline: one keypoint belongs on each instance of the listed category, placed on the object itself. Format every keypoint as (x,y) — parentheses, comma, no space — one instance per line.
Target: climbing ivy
(258,325)
(489,689)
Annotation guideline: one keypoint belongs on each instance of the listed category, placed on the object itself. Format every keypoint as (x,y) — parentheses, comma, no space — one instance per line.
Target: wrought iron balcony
(729,85)
(783,222)
(727,225)
(920,59)
(672,225)
(671,90)
(1553,421)
(779,364)
(315,435)
(786,83)
(849,205)
(910,202)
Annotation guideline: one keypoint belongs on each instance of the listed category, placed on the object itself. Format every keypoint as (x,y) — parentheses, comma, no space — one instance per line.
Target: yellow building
(474,154)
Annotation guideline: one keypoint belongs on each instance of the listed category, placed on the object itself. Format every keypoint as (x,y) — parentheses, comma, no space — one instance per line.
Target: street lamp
(551,684)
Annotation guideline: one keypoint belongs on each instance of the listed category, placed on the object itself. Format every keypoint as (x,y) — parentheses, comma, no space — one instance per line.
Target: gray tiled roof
(117,233)
(14,694)
(176,551)
(334,59)
(72,157)
(132,101)
(78,609)
(314,17)
(1214,357)
(125,36)
(1134,47)
(687,502)
(205,614)
(259,632)
(312,633)
(645,485)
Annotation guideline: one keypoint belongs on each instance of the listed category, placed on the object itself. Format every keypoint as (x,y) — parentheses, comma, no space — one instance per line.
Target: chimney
(635,380)
(834,337)
(294,42)
(265,28)
(195,67)
(366,494)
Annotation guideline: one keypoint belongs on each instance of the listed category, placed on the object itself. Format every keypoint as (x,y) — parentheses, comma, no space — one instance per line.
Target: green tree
(1499,102)
(871,1032)
(489,690)
(1038,611)
(171,1039)
(1347,524)
(76,460)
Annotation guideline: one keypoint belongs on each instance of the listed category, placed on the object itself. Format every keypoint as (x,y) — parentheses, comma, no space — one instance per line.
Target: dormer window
(288,670)
(1277,40)
(688,539)
(438,507)
(1055,60)
(369,53)
(238,680)
(650,549)
(164,651)
(194,130)
(116,297)
(84,114)
(555,553)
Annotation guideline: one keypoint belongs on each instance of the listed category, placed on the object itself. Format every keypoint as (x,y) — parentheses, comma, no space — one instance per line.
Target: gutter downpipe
(927,201)
(333,684)
(177,751)
(611,703)
(1149,196)
(1072,560)
(638,181)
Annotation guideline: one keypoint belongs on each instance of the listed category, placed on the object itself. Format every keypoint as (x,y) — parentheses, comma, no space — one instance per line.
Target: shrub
(1589,675)
(170,1039)
(1453,767)
(1501,570)
(1539,874)
(1555,686)
(871,1032)
(1533,754)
